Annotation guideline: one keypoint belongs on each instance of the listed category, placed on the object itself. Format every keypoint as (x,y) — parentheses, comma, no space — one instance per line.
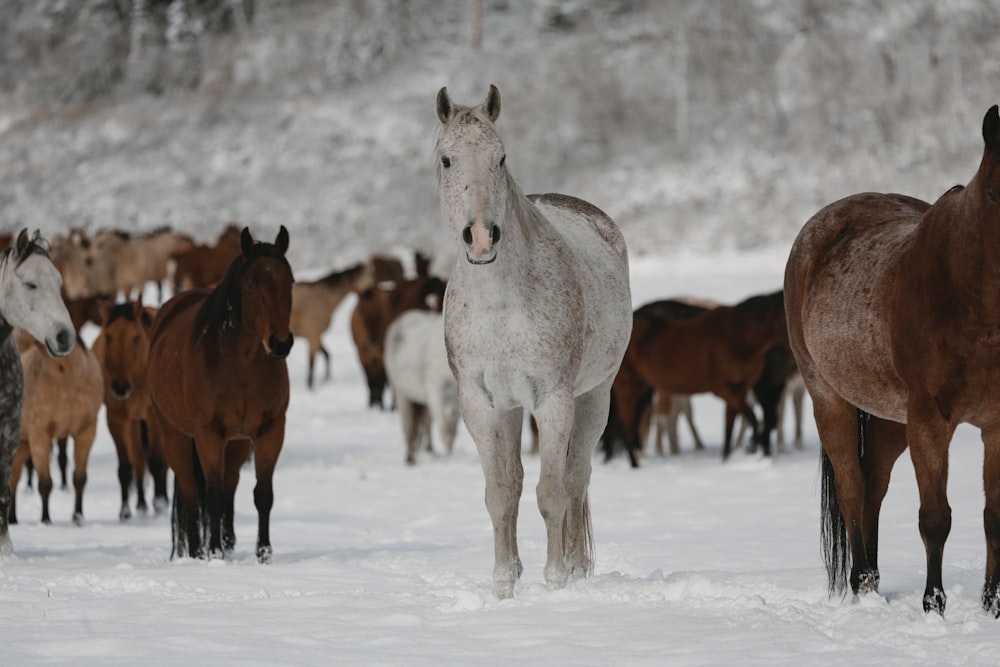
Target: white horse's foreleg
(498,438)
(555,428)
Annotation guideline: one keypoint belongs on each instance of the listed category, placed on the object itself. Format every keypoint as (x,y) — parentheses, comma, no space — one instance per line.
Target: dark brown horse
(893,315)
(219,382)
(122,347)
(688,350)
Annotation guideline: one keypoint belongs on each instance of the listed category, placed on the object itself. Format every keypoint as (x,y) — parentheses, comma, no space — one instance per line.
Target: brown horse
(62,398)
(721,350)
(893,317)
(375,310)
(314,302)
(205,265)
(122,347)
(219,383)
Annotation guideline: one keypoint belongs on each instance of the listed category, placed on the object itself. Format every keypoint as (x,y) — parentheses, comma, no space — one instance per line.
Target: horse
(666,413)
(313,304)
(218,380)
(205,265)
(722,351)
(147,258)
(122,348)
(537,318)
(893,317)
(30,300)
(62,398)
(416,365)
(375,310)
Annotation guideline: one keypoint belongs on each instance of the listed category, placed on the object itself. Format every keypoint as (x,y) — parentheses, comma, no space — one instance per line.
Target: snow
(379,563)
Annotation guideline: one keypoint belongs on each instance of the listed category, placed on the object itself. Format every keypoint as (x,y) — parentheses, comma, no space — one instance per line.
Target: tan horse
(62,398)
(893,317)
(122,348)
(313,304)
(146,258)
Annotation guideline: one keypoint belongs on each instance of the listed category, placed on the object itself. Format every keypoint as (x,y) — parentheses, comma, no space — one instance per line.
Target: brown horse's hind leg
(186,514)
(991,521)
(156,462)
(211,451)
(883,442)
(843,494)
(237,453)
(928,438)
(137,457)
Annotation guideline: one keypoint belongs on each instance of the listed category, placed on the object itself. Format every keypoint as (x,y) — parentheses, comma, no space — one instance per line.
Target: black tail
(833,529)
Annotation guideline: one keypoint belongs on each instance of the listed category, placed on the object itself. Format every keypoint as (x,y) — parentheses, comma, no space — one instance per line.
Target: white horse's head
(30,298)
(473,181)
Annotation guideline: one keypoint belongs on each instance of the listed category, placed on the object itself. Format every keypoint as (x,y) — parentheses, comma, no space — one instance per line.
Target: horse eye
(445,161)
(503,159)
(31,285)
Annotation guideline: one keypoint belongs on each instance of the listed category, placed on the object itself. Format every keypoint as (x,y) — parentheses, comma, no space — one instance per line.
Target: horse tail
(833,528)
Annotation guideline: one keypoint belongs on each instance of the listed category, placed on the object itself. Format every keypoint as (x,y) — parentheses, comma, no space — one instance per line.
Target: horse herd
(888,317)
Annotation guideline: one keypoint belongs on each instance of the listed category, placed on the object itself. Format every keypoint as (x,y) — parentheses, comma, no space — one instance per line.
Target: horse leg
(884,441)
(441,417)
(798,394)
(929,438)
(186,513)
(63,460)
(590,413)
(673,408)
(9,432)
(83,441)
(137,457)
(20,457)
(311,366)
(211,449)
(410,415)
(326,358)
(689,415)
(267,447)
(119,427)
(991,521)
(156,462)
(556,424)
(237,453)
(40,444)
(498,440)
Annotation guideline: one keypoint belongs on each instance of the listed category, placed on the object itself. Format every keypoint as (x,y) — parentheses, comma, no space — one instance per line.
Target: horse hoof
(124,514)
(264,555)
(77,518)
(935,601)
(6,546)
(991,600)
(160,505)
(868,582)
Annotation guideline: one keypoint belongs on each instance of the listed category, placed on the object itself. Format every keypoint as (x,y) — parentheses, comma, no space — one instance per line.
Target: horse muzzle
(480,240)
(279,349)
(62,345)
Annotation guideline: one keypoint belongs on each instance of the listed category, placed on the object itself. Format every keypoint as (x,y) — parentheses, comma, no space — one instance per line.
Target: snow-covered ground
(375,562)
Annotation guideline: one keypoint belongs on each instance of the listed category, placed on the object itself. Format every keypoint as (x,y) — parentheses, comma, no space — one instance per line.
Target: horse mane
(951,191)
(222,308)
(337,277)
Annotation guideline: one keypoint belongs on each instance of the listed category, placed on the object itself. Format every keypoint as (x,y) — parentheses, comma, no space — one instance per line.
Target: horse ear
(491,107)
(282,240)
(991,128)
(445,109)
(246,241)
(22,242)
(104,307)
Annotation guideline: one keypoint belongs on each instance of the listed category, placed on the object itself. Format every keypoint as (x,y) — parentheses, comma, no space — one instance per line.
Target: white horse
(29,300)
(416,364)
(538,313)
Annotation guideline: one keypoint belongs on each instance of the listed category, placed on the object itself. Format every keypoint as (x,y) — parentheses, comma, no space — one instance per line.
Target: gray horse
(538,313)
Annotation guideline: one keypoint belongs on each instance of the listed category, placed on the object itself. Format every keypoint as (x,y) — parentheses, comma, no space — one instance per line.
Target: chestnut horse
(122,347)
(29,300)
(537,317)
(674,349)
(219,383)
(893,314)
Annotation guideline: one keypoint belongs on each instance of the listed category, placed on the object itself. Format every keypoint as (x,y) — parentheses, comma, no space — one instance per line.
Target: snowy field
(377,563)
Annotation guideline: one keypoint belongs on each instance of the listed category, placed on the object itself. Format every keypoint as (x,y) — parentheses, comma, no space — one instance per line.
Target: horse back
(840,282)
